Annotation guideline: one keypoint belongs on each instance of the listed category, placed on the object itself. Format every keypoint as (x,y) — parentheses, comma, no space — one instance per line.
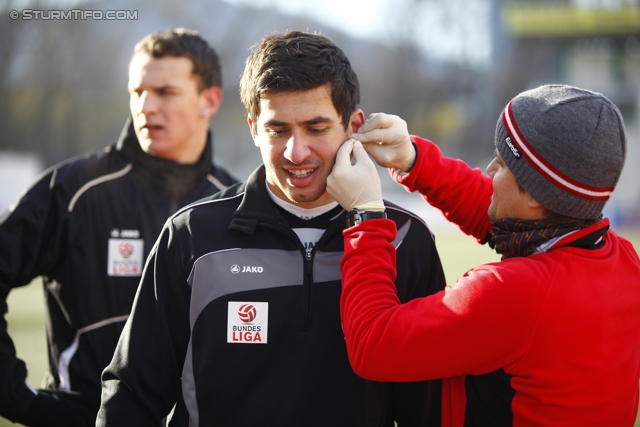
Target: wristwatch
(355,217)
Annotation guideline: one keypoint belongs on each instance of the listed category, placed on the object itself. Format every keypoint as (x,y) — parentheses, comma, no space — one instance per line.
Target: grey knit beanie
(566,146)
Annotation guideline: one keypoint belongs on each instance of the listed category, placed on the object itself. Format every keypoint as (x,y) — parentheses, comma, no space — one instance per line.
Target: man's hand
(386,139)
(355,186)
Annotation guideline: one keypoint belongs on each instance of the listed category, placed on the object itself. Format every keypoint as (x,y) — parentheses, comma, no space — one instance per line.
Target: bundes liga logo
(125,253)
(247,313)
(247,322)
(126,249)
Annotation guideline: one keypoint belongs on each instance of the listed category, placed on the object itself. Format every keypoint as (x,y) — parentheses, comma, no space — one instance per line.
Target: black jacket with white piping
(86,226)
(236,324)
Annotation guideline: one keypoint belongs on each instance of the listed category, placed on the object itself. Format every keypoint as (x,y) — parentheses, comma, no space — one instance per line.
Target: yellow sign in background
(547,20)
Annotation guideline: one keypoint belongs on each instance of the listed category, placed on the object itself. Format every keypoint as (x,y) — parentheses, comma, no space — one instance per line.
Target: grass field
(26,321)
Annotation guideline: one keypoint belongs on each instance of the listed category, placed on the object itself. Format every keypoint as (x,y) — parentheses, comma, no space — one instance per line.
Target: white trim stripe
(97,181)
(202,202)
(69,352)
(216,182)
(546,170)
(193,267)
(413,215)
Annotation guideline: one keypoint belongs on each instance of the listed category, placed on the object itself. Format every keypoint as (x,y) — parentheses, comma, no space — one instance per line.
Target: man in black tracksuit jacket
(237,248)
(236,321)
(86,226)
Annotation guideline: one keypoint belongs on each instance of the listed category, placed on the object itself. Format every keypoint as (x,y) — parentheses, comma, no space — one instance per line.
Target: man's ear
(356,120)
(254,133)
(213,97)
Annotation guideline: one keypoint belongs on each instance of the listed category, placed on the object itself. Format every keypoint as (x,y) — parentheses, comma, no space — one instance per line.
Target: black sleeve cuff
(59,409)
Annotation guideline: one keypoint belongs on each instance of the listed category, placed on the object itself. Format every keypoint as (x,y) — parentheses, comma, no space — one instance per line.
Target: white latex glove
(386,139)
(355,186)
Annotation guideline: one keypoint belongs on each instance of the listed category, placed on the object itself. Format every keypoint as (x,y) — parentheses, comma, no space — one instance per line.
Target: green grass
(459,253)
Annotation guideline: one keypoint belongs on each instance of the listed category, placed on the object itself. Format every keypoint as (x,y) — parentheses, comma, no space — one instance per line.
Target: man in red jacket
(549,336)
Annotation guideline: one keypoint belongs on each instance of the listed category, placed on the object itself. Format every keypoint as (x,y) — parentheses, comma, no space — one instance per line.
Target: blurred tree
(63,82)
(58,94)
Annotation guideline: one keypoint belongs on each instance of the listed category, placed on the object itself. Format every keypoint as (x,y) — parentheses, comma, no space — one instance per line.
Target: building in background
(595,45)
(447,67)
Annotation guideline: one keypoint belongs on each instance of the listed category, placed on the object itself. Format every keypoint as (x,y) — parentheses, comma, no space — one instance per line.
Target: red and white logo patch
(247,322)
(125,257)
(247,313)
(126,249)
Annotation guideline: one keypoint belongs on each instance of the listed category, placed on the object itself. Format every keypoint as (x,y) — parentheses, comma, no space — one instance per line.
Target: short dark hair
(298,61)
(183,43)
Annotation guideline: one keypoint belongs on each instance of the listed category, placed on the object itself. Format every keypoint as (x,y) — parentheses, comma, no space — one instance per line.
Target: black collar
(257,207)
(175,177)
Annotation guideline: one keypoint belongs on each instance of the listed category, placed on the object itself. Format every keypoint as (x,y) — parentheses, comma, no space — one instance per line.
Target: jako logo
(235,269)
(247,313)
(125,234)
(125,249)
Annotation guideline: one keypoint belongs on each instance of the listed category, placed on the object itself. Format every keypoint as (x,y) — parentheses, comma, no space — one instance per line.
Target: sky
(361,18)
(451,30)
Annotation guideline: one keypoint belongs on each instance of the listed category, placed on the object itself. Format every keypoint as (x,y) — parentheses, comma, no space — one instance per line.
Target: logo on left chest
(247,322)
(125,254)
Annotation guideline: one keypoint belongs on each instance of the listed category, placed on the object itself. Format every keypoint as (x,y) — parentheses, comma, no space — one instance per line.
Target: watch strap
(355,217)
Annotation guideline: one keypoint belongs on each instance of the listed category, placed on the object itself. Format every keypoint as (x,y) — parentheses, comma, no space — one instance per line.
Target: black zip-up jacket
(236,323)
(86,226)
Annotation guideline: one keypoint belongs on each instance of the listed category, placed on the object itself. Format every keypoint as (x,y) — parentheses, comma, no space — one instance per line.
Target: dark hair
(183,43)
(298,61)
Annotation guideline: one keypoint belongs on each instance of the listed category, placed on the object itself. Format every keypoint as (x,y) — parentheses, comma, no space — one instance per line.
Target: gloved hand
(355,186)
(386,139)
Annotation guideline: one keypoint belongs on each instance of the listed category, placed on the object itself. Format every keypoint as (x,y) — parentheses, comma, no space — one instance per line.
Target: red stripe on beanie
(545,169)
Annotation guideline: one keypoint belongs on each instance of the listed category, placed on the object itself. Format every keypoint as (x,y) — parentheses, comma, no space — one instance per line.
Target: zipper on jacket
(308,276)
(307,273)
(308,289)
(307,284)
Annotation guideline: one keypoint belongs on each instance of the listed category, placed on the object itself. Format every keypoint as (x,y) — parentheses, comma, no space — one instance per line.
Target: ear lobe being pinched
(356,120)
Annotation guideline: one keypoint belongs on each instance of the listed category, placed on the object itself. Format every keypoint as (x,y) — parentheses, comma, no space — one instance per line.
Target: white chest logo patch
(247,322)
(125,257)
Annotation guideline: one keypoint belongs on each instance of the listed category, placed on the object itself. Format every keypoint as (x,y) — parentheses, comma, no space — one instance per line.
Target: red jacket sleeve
(462,194)
(474,327)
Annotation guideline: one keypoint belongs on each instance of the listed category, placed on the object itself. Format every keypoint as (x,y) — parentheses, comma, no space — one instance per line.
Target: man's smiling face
(299,134)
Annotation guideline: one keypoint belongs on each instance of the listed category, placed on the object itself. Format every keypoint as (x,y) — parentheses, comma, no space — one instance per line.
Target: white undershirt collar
(297,210)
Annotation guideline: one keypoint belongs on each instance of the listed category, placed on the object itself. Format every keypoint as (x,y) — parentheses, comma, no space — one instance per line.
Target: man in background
(237,317)
(87,225)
